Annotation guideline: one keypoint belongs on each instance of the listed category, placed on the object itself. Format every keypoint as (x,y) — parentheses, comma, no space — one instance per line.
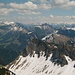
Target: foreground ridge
(42,58)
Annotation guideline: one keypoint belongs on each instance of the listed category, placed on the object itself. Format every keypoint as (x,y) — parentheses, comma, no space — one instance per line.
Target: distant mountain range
(36,48)
(15,36)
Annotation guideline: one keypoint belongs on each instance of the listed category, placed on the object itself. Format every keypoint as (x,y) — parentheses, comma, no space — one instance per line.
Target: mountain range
(42,58)
(42,49)
(15,36)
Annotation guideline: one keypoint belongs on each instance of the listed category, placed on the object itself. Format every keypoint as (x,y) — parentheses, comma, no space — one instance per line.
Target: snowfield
(71,29)
(40,66)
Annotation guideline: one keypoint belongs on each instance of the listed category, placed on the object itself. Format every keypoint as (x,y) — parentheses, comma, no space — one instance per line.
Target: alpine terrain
(42,49)
(37,37)
(42,58)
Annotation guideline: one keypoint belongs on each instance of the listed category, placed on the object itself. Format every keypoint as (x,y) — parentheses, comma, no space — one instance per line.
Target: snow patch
(71,29)
(8,22)
(29,32)
(40,66)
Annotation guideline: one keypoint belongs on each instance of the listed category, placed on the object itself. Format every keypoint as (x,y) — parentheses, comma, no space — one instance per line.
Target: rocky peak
(58,51)
(4,71)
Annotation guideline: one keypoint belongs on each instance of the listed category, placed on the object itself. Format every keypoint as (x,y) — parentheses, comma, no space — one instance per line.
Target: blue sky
(38,11)
(12,1)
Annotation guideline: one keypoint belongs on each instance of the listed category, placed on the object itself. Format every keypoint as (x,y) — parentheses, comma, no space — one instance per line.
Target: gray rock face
(58,51)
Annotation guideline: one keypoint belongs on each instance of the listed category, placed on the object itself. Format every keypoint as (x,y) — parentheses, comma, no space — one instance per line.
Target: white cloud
(29,12)
(5,11)
(27,6)
(44,6)
(30,5)
(62,19)
(1,4)
(59,1)
(71,3)
(55,19)
(65,4)
(43,1)
(40,1)
(43,19)
(51,16)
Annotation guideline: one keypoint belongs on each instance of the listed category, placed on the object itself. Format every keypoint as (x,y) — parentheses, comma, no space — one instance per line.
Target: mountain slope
(41,58)
(43,30)
(70,33)
(15,36)
(40,66)
(13,39)
(4,71)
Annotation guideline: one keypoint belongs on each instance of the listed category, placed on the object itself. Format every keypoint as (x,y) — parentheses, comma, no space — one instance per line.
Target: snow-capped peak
(71,28)
(8,23)
(40,66)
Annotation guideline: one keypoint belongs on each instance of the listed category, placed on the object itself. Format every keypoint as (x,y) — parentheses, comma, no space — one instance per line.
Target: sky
(38,11)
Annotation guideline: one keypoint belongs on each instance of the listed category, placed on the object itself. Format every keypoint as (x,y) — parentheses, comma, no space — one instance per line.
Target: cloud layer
(5,11)
(68,4)
(1,4)
(27,6)
(31,7)
(37,10)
